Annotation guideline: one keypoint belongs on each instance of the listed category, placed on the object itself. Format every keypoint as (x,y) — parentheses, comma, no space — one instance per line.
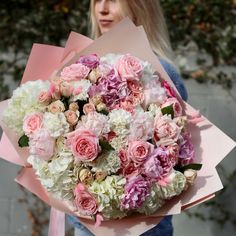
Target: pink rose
(135,86)
(44,98)
(88,107)
(84,145)
(42,145)
(138,151)
(71,117)
(124,158)
(131,170)
(176,106)
(173,153)
(128,104)
(75,72)
(66,89)
(91,61)
(54,90)
(129,67)
(32,123)
(84,201)
(166,131)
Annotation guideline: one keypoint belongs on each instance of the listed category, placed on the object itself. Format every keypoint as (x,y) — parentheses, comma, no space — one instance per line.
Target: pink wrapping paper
(123,38)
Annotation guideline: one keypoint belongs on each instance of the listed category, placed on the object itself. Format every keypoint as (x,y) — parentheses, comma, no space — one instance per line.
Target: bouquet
(103,134)
(108,135)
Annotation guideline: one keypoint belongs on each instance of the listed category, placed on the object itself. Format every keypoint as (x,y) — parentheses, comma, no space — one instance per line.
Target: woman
(104,14)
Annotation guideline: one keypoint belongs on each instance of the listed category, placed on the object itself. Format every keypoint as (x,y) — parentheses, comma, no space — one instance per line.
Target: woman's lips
(105,22)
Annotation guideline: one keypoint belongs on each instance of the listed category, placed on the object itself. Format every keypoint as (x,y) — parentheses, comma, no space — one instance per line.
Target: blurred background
(203,36)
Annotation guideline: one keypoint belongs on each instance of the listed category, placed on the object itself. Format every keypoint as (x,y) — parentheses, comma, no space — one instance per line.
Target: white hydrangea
(58,175)
(83,95)
(108,161)
(176,185)
(108,194)
(56,124)
(119,121)
(152,203)
(119,142)
(24,101)
(154,110)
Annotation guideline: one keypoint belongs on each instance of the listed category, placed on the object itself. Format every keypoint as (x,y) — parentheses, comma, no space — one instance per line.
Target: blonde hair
(147,13)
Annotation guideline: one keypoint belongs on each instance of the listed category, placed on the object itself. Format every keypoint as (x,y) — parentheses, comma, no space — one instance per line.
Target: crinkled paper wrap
(45,60)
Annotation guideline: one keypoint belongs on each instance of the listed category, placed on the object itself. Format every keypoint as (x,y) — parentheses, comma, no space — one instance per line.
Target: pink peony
(91,61)
(32,123)
(129,67)
(137,189)
(186,152)
(84,201)
(42,145)
(84,145)
(75,72)
(158,164)
(141,127)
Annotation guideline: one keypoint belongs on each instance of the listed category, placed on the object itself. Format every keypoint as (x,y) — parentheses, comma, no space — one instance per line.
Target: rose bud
(190,177)
(71,117)
(44,98)
(93,76)
(101,106)
(85,176)
(100,175)
(96,100)
(88,107)
(73,106)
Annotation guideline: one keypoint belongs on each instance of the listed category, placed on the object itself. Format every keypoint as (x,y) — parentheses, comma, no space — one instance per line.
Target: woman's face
(107,13)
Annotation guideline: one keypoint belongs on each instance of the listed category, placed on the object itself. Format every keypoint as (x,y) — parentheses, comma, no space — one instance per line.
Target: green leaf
(193,166)
(105,145)
(168,110)
(104,112)
(23,141)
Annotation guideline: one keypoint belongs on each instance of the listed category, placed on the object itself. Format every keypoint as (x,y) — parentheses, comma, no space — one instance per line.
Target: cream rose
(56,107)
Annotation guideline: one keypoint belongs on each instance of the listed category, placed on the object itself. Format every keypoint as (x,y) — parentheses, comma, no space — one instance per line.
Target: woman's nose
(104,7)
